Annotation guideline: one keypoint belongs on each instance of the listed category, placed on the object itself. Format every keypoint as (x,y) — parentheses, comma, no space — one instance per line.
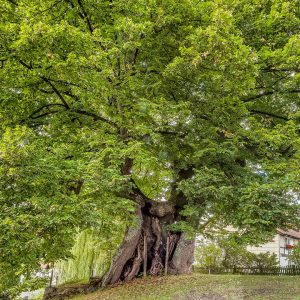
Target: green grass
(203,287)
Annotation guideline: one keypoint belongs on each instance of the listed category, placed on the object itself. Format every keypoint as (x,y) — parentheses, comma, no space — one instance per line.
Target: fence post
(91,271)
(51,277)
(145,255)
(167,256)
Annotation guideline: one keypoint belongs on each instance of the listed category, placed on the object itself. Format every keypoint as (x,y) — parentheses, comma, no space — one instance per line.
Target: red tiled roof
(291,233)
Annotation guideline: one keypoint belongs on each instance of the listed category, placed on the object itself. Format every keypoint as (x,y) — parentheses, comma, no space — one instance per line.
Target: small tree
(209,256)
(235,254)
(294,256)
(265,260)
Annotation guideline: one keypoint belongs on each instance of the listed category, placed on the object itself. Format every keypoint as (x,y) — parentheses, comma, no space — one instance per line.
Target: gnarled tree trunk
(153,219)
(151,229)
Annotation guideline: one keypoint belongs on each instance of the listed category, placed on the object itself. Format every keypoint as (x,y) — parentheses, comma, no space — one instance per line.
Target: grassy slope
(203,287)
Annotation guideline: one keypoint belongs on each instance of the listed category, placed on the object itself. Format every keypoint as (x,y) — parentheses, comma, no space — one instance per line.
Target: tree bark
(183,256)
(152,222)
(125,252)
(153,219)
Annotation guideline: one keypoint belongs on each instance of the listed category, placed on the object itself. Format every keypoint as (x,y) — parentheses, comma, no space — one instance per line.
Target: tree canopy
(103,103)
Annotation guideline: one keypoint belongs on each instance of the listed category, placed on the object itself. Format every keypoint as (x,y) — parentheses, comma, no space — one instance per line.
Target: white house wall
(284,251)
(272,247)
(278,246)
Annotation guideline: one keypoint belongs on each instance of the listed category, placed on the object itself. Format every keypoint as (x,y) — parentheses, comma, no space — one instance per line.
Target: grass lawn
(203,287)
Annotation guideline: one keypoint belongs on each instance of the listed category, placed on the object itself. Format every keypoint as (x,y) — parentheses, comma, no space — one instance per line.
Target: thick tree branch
(295,91)
(56,91)
(34,115)
(81,112)
(45,114)
(171,133)
(70,94)
(44,106)
(135,56)
(2,63)
(25,65)
(45,91)
(67,83)
(177,197)
(254,111)
(273,69)
(13,2)
(137,195)
(84,15)
(65,104)
(206,223)
(45,79)
(266,93)
(95,117)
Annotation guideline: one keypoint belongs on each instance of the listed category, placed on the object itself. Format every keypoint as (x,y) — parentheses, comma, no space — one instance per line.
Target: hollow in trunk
(151,230)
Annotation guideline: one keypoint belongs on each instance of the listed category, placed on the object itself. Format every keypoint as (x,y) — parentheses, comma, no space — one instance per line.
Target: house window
(284,251)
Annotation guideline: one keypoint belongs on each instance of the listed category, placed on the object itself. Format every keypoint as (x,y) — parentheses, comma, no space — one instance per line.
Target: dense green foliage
(294,256)
(228,254)
(209,256)
(207,87)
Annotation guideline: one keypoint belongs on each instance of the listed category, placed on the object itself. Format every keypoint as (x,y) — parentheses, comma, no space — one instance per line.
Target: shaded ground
(203,287)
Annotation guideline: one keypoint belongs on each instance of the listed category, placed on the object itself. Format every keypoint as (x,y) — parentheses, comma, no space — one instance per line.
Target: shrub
(209,256)
(294,256)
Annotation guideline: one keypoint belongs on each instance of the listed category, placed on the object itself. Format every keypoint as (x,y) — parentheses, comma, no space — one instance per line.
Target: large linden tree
(173,117)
